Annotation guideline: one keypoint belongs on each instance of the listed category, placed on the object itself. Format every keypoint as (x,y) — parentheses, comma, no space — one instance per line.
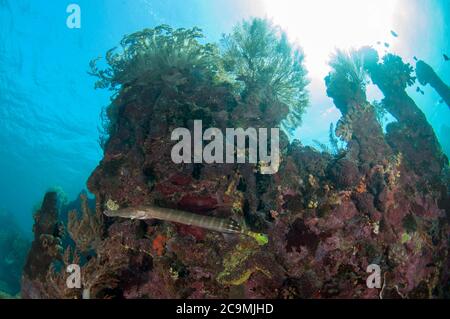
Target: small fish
(415,58)
(394,33)
(378,42)
(446,58)
(419,90)
(222,225)
(386,45)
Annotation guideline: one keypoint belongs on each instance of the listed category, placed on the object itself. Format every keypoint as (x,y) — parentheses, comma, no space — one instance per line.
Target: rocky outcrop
(328,217)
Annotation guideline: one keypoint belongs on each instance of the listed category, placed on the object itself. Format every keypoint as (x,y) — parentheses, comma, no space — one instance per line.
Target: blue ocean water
(49,110)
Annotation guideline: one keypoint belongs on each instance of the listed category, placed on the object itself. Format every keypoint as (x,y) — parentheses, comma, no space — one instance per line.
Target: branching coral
(337,146)
(347,79)
(380,111)
(154,53)
(350,65)
(87,231)
(103,271)
(346,85)
(257,67)
(98,275)
(164,62)
(260,55)
(393,72)
(45,274)
(399,70)
(55,286)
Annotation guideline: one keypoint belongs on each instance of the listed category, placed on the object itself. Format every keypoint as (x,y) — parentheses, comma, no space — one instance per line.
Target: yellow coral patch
(112,205)
(245,276)
(236,270)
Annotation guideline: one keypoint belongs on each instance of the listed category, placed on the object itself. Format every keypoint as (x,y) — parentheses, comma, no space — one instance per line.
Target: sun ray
(320,26)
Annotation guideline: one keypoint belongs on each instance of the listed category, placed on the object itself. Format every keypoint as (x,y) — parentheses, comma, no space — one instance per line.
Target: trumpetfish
(222,225)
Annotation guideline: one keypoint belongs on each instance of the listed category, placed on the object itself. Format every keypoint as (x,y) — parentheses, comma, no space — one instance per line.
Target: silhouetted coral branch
(87,231)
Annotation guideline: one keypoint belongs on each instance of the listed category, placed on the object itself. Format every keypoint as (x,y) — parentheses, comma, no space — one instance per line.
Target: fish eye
(234,225)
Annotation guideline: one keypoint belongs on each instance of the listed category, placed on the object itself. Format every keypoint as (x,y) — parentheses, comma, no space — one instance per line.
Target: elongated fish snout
(109,213)
(116,213)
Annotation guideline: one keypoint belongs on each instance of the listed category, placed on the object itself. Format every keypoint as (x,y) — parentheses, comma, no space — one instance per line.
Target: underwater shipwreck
(309,231)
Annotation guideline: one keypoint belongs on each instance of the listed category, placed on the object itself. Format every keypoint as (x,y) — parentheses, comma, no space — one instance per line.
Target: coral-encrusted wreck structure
(383,200)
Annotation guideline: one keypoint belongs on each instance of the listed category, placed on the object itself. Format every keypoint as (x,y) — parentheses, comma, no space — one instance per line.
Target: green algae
(240,263)
(261,239)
